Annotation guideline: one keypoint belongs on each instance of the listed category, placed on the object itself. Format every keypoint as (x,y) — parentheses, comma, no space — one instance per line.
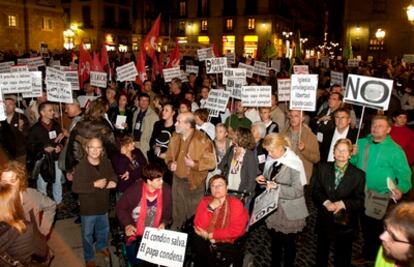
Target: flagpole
(360,123)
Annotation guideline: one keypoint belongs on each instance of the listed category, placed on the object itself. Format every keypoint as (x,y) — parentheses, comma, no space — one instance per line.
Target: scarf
(143,211)
(221,219)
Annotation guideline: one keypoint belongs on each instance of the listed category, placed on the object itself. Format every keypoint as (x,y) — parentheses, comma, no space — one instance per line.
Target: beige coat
(147,126)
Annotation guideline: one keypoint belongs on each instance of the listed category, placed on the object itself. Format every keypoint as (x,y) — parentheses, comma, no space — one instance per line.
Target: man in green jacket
(381,158)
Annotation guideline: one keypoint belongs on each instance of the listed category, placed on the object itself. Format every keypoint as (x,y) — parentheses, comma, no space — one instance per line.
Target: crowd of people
(169,162)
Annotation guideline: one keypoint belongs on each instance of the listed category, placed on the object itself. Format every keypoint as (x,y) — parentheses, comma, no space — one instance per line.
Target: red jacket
(237,224)
(404,136)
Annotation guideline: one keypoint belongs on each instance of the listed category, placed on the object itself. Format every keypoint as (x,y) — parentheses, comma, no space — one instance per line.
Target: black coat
(350,191)
(327,139)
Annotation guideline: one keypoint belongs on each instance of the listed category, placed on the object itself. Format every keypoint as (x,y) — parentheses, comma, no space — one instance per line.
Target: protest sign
(84,100)
(301,69)
(303,92)
(408,58)
(163,247)
(19,68)
(353,63)
(98,79)
(126,72)
(337,78)
(191,69)
(231,58)
(257,96)
(16,82)
(183,76)
(368,91)
(275,64)
(249,69)
(233,73)
(171,73)
(32,63)
(53,74)
(36,85)
(283,90)
(5,66)
(3,115)
(260,68)
(205,53)
(58,91)
(264,204)
(216,64)
(235,87)
(73,78)
(217,100)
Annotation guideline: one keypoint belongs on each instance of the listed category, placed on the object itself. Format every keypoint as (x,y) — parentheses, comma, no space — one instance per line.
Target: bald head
(185,123)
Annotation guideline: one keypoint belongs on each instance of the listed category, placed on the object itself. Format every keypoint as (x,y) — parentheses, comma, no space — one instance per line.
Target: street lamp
(380,34)
(410,13)
(68,39)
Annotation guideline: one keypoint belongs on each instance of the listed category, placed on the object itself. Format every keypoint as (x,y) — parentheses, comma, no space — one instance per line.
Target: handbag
(376,204)
(34,174)
(47,168)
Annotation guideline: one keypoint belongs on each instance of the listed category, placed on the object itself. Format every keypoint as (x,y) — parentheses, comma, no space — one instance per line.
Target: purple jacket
(122,163)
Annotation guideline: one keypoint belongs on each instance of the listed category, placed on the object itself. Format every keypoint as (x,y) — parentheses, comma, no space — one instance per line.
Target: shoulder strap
(365,160)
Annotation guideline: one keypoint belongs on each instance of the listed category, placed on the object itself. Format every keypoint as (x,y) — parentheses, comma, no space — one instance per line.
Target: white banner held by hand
(249,69)
(58,91)
(257,96)
(283,90)
(171,73)
(216,65)
(16,82)
(234,73)
(36,85)
(126,72)
(303,92)
(99,79)
(217,100)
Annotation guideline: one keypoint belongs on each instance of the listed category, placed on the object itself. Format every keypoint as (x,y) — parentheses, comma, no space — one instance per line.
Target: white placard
(301,69)
(205,53)
(233,73)
(58,91)
(353,63)
(275,64)
(53,74)
(283,90)
(216,64)
(235,87)
(120,120)
(303,92)
(183,76)
(163,247)
(249,69)
(5,66)
(171,73)
(217,100)
(231,58)
(36,85)
(33,62)
(337,78)
(19,68)
(257,96)
(260,68)
(84,100)
(368,91)
(3,116)
(99,79)
(16,82)
(264,204)
(126,72)
(54,63)
(73,78)
(191,69)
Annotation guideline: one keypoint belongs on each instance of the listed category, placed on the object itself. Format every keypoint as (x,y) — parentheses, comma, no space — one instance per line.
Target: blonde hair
(346,142)
(274,140)
(11,209)
(17,168)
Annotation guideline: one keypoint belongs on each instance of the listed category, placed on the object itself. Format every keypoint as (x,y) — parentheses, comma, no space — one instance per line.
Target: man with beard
(397,248)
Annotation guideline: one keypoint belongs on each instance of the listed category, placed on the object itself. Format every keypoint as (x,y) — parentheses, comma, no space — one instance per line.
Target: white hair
(261,128)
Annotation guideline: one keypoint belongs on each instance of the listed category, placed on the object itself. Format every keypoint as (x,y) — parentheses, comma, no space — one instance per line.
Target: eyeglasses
(394,238)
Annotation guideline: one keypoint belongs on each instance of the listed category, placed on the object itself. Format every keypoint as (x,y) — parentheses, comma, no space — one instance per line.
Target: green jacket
(382,261)
(386,159)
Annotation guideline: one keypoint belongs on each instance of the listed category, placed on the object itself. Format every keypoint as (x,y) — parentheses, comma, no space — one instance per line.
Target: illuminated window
(251,23)
(229,24)
(47,24)
(12,20)
(204,25)
(183,8)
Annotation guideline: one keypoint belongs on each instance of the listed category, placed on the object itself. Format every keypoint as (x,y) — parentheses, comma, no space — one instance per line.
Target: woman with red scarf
(218,222)
(147,203)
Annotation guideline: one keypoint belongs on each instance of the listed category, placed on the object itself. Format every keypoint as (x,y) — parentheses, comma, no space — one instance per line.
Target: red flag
(150,42)
(85,62)
(104,56)
(96,63)
(174,60)
(140,64)
(215,50)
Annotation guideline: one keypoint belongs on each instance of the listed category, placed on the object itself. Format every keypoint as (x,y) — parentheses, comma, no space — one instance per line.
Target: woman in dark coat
(338,193)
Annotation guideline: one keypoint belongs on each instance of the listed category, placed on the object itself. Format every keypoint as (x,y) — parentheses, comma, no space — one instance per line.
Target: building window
(204,25)
(251,23)
(183,8)
(47,24)
(12,20)
(379,6)
(124,18)
(109,17)
(86,17)
(203,8)
(229,24)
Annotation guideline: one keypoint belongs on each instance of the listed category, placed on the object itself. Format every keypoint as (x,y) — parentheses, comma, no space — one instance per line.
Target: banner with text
(205,53)
(19,68)
(264,204)
(36,85)
(99,79)
(217,100)
(303,92)
(216,65)
(233,73)
(73,78)
(171,73)
(53,74)
(58,91)
(301,69)
(126,72)
(5,66)
(337,78)
(249,69)
(368,91)
(191,69)
(283,90)
(235,87)
(260,68)
(163,247)
(257,96)
(16,82)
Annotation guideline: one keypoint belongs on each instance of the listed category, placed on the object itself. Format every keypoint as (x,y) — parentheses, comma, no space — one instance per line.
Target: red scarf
(220,220)
(143,211)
